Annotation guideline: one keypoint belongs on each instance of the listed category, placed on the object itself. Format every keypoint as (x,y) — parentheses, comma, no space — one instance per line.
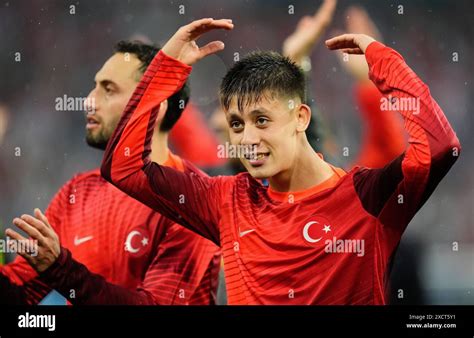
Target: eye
(236,125)
(108,89)
(261,121)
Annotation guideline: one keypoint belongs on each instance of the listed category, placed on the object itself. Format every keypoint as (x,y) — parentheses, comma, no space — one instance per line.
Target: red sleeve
(396,192)
(10,294)
(183,263)
(193,140)
(187,198)
(383,134)
(19,284)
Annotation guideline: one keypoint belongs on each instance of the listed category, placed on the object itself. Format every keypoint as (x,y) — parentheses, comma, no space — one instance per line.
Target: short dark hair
(258,72)
(145,53)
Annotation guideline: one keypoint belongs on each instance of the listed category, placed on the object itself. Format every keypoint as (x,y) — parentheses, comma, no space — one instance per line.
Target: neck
(307,171)
(159,147)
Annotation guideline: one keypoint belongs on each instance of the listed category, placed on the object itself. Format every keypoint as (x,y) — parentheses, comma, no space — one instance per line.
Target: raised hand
(40,231)
(308,32)
(350,43)
(183,47)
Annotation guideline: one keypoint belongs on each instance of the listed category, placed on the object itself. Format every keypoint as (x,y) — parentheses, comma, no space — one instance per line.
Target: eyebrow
(259,111)
(254,112)
(104,83)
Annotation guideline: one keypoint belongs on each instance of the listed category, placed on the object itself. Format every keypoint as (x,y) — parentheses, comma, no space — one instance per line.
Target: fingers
(223,23)
(211,48)
(197,23)
(15,235)
(341,41)
(209,22)
(182,45)
(197,28)
(37,223)
(28,257)
(352,51)
(304,22)
(326,11)
(26,251)
(39,214)
(25,224)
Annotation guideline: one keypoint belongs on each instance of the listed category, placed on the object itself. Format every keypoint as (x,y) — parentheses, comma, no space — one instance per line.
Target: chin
(260,172)
(258,175)
(96,142)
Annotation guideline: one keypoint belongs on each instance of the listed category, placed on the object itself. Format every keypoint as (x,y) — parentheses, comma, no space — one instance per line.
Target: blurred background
(49,49)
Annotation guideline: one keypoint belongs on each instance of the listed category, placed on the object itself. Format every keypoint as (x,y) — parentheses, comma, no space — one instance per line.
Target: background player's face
(271,126)
(114,85)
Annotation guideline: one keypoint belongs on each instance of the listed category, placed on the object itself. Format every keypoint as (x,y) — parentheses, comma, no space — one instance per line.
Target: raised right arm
(188,198)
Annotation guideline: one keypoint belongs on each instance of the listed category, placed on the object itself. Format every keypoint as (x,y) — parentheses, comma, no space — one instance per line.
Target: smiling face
(114,85)
(275,126)
(263,98)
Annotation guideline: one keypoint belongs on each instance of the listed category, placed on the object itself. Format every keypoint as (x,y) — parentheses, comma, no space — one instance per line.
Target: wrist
(163,55)
(57,265)
(366,42)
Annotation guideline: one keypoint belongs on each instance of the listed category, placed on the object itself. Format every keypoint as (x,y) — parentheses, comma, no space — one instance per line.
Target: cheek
(119,102)
(282,144)
(234,138)
(114,109)
(280,147)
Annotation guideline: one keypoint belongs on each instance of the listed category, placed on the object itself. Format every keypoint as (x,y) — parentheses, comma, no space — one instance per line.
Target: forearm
(82,287)
(127,165)
(395,193)
(430,134)
(130,146)
(20,284)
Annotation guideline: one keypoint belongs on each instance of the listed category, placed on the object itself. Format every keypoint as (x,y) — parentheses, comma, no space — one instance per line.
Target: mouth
(258,160)
(91,122)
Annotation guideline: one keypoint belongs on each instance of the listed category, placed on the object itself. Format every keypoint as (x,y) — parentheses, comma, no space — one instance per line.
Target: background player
(272,237)
(114,250)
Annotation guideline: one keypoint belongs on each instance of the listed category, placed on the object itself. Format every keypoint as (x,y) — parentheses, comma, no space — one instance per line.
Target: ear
(161,113)
(303,117)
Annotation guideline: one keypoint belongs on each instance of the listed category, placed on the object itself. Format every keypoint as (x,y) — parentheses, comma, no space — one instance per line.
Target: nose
(90,103)
(250,136)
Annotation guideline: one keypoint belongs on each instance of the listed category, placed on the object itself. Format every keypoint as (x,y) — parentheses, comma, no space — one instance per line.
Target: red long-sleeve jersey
(120,251)
(330,244)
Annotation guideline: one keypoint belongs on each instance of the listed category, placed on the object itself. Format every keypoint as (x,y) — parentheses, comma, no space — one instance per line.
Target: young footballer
(316,234)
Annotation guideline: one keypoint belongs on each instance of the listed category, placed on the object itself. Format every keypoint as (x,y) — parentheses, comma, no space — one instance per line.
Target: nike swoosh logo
(79,241)
(243,233)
